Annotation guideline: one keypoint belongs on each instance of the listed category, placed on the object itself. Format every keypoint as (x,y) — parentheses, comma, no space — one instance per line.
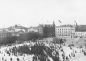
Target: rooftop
(66,25)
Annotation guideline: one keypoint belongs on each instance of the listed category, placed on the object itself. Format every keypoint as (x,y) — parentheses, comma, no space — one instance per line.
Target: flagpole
(60,22)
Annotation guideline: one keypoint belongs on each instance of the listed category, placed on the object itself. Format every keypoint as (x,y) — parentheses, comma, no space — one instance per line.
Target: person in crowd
(10,59)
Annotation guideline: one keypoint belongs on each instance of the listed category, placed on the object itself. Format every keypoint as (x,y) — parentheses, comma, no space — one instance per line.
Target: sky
(33,12)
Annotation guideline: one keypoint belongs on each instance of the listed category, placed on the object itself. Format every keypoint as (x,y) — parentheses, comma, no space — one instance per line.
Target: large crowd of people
(39,51)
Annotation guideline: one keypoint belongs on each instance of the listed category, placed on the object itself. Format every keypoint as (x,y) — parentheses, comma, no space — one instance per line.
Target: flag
(59,21)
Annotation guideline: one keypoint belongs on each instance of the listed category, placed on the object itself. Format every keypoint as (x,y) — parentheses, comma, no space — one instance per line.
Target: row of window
(65,29)
(64,32)
(80,34)
(63,35)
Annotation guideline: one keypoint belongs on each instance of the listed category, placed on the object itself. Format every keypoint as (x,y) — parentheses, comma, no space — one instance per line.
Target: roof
(66,25)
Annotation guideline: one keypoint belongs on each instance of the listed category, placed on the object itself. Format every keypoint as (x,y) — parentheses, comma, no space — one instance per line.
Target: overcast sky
(33,12)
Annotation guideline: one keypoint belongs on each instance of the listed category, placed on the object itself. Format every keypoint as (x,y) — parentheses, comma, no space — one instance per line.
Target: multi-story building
(47,30)
(65,31)
(70,31)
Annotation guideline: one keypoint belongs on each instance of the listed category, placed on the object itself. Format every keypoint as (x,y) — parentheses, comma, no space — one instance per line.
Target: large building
(65,31)
(70,31)
(47,30)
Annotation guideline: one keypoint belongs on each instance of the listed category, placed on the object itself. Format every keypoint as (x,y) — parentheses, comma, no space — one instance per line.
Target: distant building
(14,30)
(65,31)
(41,29)
(33,29)
(80,31)
(5,34)
(80,34)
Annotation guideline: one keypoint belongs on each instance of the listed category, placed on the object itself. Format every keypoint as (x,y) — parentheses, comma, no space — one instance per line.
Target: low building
(80,34)
(80,31)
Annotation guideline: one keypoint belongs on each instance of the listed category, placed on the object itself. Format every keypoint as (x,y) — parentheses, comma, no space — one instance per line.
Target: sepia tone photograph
(42,30)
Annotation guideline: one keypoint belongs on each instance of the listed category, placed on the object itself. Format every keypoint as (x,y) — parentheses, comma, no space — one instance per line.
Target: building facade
(80,31)
(40,29)
(65,31)
(47,30)
(80,34)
